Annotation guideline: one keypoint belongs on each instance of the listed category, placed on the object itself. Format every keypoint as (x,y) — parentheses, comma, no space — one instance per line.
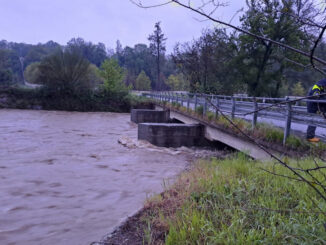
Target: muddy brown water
(65,179)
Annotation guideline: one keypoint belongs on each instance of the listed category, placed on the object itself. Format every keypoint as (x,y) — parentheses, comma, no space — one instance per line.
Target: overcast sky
(34,21)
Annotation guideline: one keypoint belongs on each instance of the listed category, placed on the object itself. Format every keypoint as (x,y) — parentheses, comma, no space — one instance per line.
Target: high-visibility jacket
(317,89)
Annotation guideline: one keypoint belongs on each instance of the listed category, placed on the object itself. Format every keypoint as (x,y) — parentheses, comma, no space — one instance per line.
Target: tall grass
(233,201)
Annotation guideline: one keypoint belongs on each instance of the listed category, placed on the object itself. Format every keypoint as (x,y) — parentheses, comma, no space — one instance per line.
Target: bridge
(288,114)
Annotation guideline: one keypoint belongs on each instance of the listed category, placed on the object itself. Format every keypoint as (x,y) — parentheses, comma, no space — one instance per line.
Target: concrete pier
(149,116)
(172,134)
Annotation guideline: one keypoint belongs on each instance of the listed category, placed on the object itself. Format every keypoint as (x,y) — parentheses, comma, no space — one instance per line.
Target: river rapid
(65,179)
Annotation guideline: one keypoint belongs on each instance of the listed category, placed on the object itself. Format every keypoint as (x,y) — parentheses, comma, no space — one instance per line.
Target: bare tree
(207,8)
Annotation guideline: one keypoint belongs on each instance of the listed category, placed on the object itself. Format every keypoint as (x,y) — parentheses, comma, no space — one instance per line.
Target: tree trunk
(261,71)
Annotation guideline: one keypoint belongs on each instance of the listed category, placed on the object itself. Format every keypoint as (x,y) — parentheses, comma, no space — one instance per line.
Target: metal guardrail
(249,108)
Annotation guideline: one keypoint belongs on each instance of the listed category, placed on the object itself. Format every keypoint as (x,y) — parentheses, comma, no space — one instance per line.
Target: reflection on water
(65,178)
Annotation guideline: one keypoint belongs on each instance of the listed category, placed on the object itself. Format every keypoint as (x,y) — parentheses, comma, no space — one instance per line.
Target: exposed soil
(132,231)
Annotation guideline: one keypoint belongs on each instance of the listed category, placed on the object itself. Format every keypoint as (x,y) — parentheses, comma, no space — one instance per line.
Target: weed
(210,116)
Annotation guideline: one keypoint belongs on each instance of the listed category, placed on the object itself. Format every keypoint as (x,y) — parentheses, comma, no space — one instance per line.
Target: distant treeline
(219,61)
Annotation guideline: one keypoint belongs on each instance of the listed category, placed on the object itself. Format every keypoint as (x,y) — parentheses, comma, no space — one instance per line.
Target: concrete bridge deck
(216,134)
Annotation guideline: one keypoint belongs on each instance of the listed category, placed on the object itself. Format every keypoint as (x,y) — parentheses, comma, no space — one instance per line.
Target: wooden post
(233,107)
(255,114)
(217,106)
(287,127)
(196,101)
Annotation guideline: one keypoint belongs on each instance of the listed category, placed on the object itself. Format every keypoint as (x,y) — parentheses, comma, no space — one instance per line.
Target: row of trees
(219,61)
(226,62)
(145,67)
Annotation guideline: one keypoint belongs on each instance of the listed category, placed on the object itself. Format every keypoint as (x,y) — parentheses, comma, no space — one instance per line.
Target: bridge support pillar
(172,134)
(151,116)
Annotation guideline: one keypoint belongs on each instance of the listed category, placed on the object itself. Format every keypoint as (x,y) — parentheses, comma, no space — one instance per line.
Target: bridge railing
(283,111)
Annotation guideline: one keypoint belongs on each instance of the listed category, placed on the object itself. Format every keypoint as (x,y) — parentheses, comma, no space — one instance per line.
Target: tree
(157,46)
(134,60)
(113,76)
(65,73)
(32,73)
(178,82)
(208,63)
(143,82)
(265,63)
(6,74)
(95,54)
(298,90)
(309,14)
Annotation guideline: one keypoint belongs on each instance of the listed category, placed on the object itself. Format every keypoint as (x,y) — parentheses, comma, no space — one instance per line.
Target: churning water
(65,179)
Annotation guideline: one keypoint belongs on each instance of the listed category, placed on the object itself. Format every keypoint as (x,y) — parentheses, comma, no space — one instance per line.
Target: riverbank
(88,101)
(230,201)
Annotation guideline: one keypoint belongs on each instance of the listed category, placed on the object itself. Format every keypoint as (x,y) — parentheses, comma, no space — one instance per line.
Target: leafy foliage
(32,73)
(178,82)
(298,89)
(95,54)
(65,72)
(113,76)
(143,82)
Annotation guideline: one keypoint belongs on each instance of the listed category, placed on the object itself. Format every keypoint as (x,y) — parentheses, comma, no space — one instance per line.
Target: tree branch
(249,33)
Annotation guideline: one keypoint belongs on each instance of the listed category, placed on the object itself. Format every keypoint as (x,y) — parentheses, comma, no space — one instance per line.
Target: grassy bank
(233,201)
(98,100)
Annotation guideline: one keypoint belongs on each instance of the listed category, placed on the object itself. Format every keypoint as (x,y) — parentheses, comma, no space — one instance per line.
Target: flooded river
(65,179)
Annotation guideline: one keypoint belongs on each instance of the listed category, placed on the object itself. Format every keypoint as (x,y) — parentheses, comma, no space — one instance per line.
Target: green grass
(233,201)
(200,110)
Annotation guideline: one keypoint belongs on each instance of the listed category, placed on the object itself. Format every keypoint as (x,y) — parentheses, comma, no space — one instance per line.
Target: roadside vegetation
(233,201)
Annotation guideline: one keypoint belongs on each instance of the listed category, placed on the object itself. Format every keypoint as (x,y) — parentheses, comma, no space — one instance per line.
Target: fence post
(196,101)
(188,103)
(287,127)
(233,107)
(254,116)
(217,106)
